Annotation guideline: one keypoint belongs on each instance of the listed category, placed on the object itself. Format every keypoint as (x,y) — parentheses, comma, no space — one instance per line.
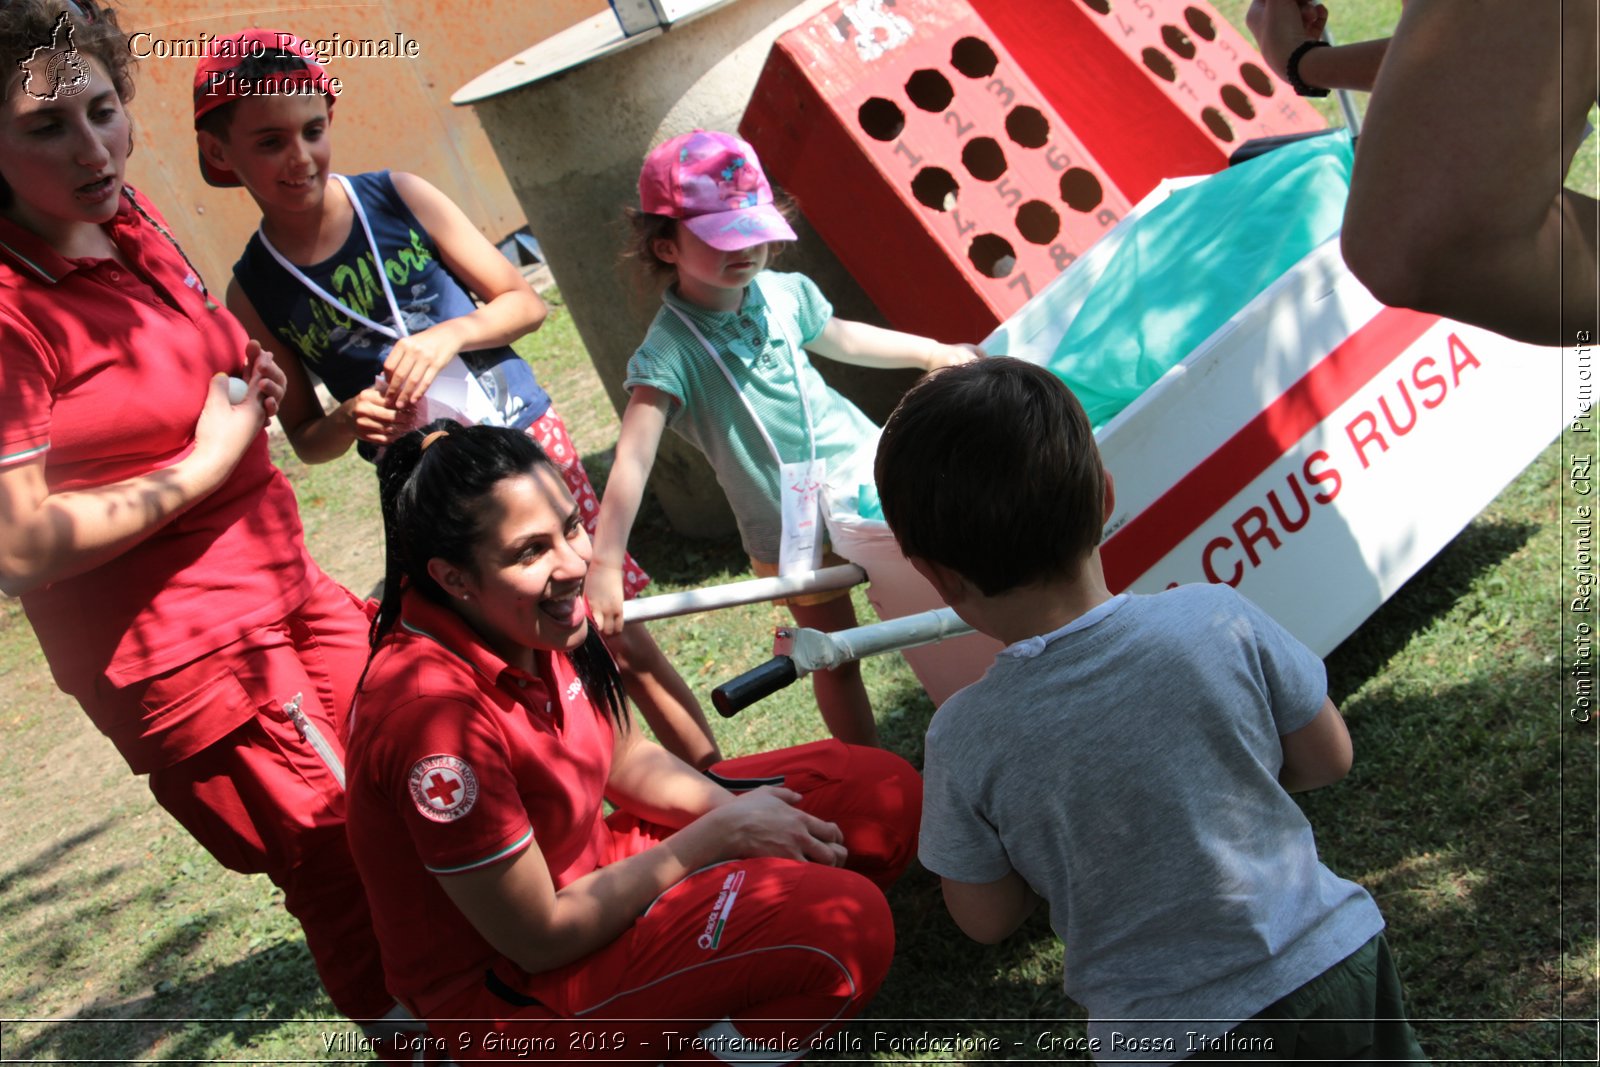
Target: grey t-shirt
(1127,768)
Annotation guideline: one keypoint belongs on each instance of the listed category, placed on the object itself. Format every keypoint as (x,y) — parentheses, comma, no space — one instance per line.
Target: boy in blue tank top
(1127,759)
(368,283)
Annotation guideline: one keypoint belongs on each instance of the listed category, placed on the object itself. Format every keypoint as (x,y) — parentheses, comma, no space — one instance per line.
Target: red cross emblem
(443,787)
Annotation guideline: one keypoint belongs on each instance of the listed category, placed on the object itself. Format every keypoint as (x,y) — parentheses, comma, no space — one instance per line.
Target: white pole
(814,650)
(732,594)
(799,651)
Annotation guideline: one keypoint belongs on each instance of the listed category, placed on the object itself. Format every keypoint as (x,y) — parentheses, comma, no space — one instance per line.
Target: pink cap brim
(746,227)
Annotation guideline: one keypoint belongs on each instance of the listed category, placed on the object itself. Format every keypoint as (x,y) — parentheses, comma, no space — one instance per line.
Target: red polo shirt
(458,761)
(103,371)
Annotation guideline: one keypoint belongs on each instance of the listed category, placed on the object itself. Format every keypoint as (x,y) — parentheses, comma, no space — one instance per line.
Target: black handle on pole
(734,696)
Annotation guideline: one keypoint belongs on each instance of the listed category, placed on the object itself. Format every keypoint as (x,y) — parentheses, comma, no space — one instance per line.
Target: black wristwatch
(1292,69)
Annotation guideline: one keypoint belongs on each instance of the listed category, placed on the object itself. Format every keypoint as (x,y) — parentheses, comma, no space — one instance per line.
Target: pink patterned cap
(713,183)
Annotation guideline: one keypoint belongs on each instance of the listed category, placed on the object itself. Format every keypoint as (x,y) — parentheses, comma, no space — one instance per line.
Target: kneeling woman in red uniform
(486,735)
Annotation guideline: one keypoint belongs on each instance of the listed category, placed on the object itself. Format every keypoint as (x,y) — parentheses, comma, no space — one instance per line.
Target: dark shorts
(1353,1011)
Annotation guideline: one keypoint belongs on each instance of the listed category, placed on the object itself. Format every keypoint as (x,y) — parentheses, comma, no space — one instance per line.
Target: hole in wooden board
(881,119)
(1159,64)
(1038,222)
(935,187)
(1028,127)
(992,255)
(930,90)
(1200,23)
(1217,123)
(1259,81)
(973,57)
(984,159)
(1237,102)
(1081,190)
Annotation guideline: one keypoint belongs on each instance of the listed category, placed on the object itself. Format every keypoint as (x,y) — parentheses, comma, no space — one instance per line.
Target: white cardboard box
(1314,452)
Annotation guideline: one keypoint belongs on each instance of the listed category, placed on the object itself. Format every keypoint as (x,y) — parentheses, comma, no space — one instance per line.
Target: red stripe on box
(1150,535)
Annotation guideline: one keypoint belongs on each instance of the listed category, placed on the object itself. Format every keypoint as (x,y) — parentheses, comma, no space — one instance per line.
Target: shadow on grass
(1415,606)
(239,1004)
(56,853)
(52,882)
(903,716)
(1459,820)
(57,907)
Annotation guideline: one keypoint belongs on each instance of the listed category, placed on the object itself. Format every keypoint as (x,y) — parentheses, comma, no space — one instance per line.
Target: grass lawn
(1470,814)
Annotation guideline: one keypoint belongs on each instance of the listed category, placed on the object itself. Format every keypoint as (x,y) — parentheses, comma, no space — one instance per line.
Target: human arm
(1318,753)
(963,804)
(1293,681)
(1455,208)
(317,436)
(518,910)
(989,912)
(655,785)
(643,422)
(1281,26)
(45,536)
(873,346)
(510,307)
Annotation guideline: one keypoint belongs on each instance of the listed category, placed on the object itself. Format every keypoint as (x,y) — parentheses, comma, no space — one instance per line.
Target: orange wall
(393,113)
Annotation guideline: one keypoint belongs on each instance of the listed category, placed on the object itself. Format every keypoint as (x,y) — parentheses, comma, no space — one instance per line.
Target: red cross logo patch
(443,787)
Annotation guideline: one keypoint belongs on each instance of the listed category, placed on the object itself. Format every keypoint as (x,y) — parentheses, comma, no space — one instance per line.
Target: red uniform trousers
(261,799)
(748,958)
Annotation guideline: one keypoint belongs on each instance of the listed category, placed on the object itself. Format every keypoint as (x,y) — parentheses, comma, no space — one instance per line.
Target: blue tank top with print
(346,354)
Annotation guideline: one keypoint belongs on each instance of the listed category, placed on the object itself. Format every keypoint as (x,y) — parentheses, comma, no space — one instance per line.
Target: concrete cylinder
(571,138)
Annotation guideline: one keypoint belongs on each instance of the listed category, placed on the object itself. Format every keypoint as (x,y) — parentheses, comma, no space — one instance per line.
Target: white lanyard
(799,386)
(395,332)
(799,483)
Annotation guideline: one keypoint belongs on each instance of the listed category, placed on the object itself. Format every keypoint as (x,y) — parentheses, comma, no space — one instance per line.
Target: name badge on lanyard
(456,392)
(799,483)
(800,494)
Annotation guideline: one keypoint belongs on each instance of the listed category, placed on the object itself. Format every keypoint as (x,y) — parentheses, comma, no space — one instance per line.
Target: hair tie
(431,438)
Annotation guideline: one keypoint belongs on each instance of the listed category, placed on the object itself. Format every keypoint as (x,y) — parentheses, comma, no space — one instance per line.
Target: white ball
(237,388)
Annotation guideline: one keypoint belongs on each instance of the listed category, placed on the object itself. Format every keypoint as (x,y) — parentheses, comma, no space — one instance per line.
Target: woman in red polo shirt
(157,551)
(488,732)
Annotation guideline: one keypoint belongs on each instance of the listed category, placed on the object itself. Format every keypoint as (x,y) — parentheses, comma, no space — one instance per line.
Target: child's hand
(951,355)
(372,418)
(225,429)
(264,374)
(604,590)
(414,362)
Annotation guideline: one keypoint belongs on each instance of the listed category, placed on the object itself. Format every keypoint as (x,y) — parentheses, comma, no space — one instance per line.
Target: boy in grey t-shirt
(1127,759)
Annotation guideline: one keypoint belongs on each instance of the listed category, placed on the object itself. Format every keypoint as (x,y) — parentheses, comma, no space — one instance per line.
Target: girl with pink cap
(725,365)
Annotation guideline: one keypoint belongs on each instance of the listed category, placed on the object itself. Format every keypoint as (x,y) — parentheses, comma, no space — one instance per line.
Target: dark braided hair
(433,506)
